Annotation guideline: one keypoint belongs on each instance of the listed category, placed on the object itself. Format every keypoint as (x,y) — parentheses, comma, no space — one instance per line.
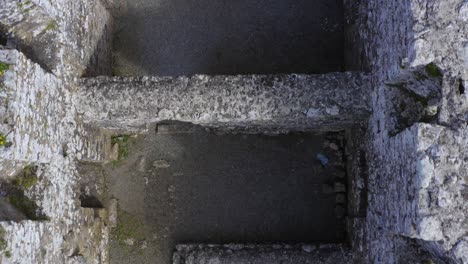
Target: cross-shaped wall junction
(368,150)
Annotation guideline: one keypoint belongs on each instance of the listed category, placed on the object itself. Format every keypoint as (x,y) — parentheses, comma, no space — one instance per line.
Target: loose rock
(161,164)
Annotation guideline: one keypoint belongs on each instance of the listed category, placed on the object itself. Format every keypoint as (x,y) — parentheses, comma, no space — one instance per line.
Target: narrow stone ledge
(291,102)
(252,253)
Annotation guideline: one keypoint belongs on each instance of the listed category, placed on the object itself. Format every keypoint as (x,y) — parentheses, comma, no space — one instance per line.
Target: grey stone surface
(259,254)
(288,102)
(68,38)
(39,122)
(32,31)
(398,36)
(407,194)
(42,128)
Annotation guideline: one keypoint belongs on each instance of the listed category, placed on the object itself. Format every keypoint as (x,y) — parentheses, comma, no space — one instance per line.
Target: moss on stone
(51,26)
(3,140)
(3,242)
(21,5)
(26,179)
(123,143)
(433,71)
(3,68)
(420,76)
(24,205)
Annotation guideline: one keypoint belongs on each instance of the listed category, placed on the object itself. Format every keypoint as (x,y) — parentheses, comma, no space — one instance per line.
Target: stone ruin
(400,102)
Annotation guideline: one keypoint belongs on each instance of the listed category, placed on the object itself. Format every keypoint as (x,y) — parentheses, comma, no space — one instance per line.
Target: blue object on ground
(323,159)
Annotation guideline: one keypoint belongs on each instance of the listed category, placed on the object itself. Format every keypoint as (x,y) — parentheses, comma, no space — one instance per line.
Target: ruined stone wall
(417,134)
(50,43)
(253,253)
(41,128)
(412,189)
(86,32)
(288,102)
(37,110)
(69,38)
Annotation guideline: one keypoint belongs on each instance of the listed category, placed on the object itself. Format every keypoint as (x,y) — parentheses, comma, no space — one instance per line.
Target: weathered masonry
(251,104)
(113,106)
(285,102)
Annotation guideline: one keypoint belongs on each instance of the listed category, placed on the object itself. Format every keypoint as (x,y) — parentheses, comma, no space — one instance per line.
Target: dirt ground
(185,37)
(186,184)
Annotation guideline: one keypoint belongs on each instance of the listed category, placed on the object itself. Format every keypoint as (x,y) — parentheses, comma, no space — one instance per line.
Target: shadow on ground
(185,37)
(197,186)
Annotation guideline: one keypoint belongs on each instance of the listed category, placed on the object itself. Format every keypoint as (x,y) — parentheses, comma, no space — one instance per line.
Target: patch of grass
(26,179)
(123,143)
(128,227)
(433,71)
(3,68)
(8,254)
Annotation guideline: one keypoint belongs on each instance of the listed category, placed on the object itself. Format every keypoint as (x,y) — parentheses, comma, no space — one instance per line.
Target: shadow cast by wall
(185,37)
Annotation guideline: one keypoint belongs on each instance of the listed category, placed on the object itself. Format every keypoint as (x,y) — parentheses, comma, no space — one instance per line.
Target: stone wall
(41,128)
(37,111)
(414,100)
(50,43)
(68,38)
(252,253)
(412,189)
(287,102)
